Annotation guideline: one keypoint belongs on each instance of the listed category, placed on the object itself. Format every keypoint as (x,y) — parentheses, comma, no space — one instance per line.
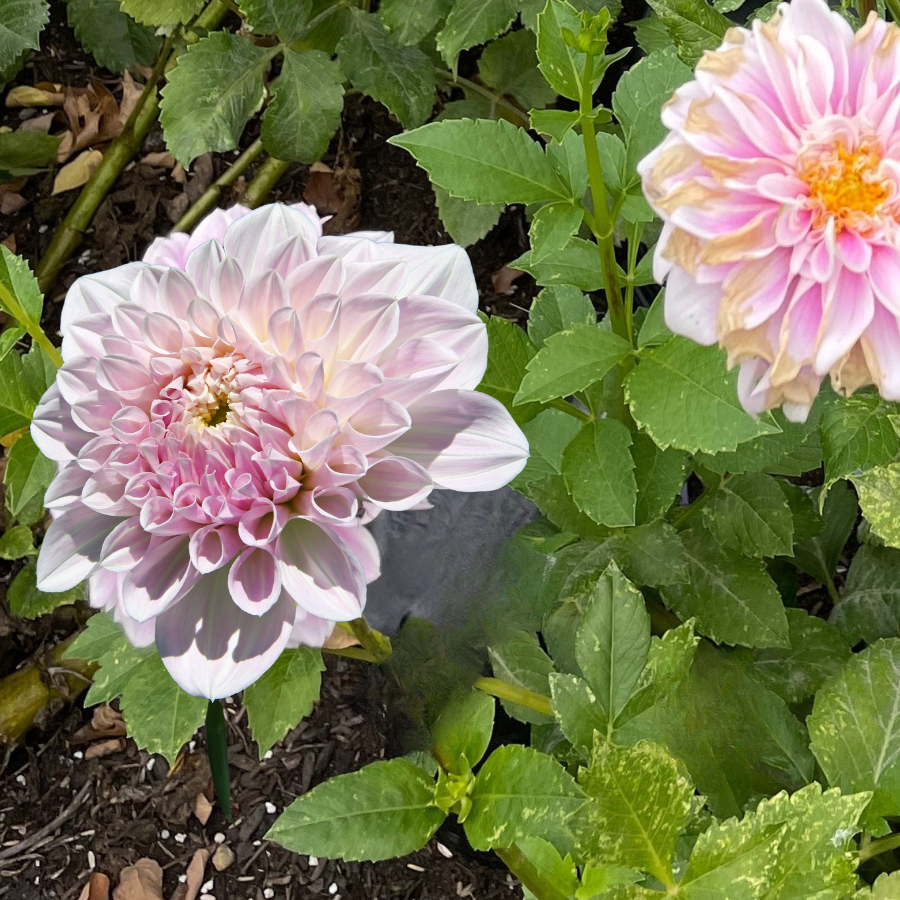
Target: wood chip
(189,889)
(104,748)
(10,203)
(222,858)
(503,279)
(202,808)
(96,889)
(162,160)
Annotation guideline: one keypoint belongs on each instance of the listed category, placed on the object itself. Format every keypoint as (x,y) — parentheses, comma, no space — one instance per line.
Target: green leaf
(693,25)
(651,34)
(161,12)
(638,98)
(575,264)
(17,279)
(472,22)
(17,401)
(211,93)
(17,542)
(819,556)
(732,597)
(520,661)
(790,847)
(558,870)
(750,513)
(682,396)
(38,371)
(577,711)
(599,472)
(558,309)
(519,793)
(806,519)
(886,887)
(28,474)
(660,476)
(509,352)
(286,18)
(651,554)
(463,729)
(855,728)
(736,737)
(402,78)
(27,602)
(880,501)
(653,330)
(870,603)
(509,66)
(408,22)
(283,695)
(570,361)
(21,23)
(160,716)
(552,498)
(669,661)
(24,153)
(857,433)
(100,634)
(484,160)
(551,228)
(612,642)
(385,809)
(563,66)
(9,337)
(640,802)
(548,434)
(817,651)
(553,123)
(115,40)
(305,111)
(465,221)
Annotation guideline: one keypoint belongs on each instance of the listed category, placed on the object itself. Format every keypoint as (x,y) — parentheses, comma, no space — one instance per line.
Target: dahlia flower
(228,407)
(779,188)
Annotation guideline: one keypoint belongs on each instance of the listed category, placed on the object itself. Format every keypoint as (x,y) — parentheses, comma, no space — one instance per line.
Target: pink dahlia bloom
(221,419)
(779,188)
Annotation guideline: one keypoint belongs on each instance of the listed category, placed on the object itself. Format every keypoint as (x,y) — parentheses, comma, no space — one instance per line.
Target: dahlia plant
(691,655)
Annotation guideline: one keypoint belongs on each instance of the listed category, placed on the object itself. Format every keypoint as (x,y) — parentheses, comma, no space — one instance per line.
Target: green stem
(351,653)
(876,848)
(212,16)
(217,751)
(894,9)
(528,875)
(211,195)
(634,244)
(33,328)
(503,690)
(71,232)
(377,645)
(267,176)
(570,409)
(488,94)
(832,591)
(865,7)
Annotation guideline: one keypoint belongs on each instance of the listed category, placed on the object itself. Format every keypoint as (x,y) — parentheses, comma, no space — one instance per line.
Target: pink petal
(396,483)
(53,430)
(691,309)
(161,578)
(126,546)
(251,238)
(466,441)
(254,581)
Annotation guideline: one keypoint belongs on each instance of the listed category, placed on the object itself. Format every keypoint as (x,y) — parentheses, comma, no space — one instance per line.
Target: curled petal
(254,581)
(162,577)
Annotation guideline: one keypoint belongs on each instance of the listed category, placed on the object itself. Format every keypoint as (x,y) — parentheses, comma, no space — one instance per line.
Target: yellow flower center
(844,184)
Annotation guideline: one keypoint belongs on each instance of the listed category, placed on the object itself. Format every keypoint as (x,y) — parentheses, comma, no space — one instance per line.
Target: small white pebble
(151,763)
(219,838)
(182,879)
(192,746)
(444,851)
(414,867)
(207,897)
(268,893)
(207,887)
(78,754)
(20,779)
(271,808)
(314,860)
(165,834)
(37,864)
(43,229)
(92,860)
(267,754)
(180,838)
(257,843)
(332,888)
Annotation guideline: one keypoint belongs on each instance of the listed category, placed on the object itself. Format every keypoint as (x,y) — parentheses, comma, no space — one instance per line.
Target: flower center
(844,184)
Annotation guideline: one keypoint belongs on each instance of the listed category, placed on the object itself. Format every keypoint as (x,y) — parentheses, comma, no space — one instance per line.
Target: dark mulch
(128,805)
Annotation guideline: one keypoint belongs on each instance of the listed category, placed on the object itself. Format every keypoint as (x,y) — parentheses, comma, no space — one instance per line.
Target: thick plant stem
(69,235)
(528,875)
(270,171)
(876,848)
(217,751)
(377,645)
(503,690)
(211,195)
(893,7)
(570,409)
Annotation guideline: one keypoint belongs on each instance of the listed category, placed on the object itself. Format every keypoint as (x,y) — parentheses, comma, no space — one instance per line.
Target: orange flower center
(845,184)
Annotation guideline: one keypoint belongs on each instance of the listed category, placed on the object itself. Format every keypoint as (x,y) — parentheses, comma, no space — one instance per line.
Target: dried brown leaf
(202,808)
(161,160)
(503,279)
(11,202)
(104,748)
(76,173)
(189,889)
(142,881)
(39,123)
(222,858)
(23,95)
(97,888)
(339,638)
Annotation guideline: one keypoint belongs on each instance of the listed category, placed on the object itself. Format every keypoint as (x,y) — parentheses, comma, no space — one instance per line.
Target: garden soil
(81,812)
